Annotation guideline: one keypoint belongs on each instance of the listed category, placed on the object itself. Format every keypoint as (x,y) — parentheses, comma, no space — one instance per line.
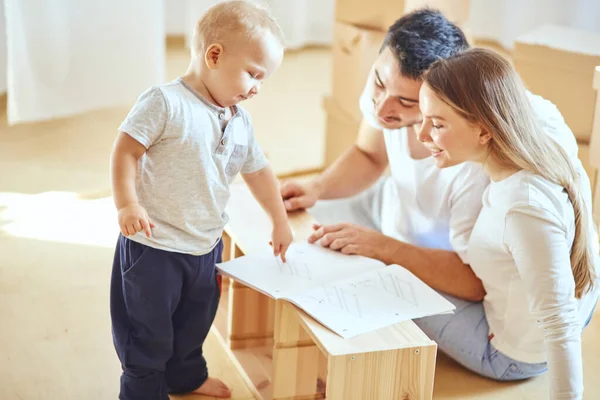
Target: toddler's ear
(212,55)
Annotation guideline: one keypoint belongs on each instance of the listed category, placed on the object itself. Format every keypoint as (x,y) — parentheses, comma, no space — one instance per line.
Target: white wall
(304,22)
(2,49)
(176,18)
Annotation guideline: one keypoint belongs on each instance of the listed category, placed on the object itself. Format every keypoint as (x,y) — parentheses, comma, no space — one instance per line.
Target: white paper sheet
(307,266)
(348,294)
(371,300)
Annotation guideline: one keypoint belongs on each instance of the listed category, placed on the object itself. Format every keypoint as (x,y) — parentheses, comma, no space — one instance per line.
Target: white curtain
(504,21)
(2,50)
(72,56)
(304,22)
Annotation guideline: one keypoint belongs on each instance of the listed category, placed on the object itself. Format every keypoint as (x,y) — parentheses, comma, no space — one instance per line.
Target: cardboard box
(584,157)
(558,64)
(595,140)
(594,156)
(469,36)
(354,51)
(596,205)
(340,132)
(456,11)
(592,173)
(381,14)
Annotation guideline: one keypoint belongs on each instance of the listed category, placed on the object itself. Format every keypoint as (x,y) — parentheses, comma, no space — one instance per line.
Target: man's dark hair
(422,37)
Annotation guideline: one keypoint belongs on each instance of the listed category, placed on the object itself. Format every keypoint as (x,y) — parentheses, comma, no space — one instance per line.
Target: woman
(532,246)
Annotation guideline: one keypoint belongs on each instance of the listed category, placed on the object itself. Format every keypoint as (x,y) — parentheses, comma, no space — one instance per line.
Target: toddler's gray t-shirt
(183,178)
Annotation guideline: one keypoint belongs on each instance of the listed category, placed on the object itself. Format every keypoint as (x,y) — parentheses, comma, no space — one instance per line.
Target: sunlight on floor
(59,217)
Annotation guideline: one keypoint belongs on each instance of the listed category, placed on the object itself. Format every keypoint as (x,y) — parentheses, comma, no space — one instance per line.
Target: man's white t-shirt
(422,204)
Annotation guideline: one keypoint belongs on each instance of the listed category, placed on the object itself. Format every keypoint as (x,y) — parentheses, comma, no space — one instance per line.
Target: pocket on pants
(512,372)
(135,253)
(517,371)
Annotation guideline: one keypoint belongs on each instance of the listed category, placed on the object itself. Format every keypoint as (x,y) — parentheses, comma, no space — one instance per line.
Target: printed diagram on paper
(348,294)
(295,267)
(348,298)
(336,298)
(393,285)
(371,300)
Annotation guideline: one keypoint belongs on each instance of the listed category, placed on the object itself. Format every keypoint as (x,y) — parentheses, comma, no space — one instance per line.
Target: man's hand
(298,195)
(351,239)
(281,239)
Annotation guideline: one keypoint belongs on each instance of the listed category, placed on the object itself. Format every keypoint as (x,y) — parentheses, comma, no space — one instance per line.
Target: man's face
(396,97)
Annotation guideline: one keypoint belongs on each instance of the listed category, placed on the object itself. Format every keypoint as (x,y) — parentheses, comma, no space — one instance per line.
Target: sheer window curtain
(63,57)
(70,56)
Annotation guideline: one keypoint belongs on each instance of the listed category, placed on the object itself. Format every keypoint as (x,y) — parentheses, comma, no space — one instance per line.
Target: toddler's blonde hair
(229,18)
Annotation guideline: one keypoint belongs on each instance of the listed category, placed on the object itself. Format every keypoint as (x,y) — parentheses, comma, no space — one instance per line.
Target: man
(420,216)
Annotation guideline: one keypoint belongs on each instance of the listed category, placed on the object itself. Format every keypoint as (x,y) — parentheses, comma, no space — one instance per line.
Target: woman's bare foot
(214,387)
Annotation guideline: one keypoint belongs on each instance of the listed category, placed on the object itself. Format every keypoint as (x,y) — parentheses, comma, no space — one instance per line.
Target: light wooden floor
(57,232)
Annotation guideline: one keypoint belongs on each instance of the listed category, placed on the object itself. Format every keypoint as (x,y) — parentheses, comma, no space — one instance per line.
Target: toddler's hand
(281,239)
(133,218)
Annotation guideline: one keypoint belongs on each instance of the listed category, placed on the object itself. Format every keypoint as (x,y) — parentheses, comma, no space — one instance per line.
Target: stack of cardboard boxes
(558,63)
(359,31)
(594,153)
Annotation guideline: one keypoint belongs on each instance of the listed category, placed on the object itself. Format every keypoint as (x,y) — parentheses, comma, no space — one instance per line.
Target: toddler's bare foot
(214,387)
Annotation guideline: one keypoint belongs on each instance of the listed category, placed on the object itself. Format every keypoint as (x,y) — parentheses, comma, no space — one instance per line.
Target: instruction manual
(348,294)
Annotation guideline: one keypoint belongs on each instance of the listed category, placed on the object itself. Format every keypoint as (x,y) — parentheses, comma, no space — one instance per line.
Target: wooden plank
(258,364)
(250,342)
(226,256)
(295,357)
(382,375)
(297,373)
(322,373)
(237,251)
(288,330)
(221,321)
(402,335)
(251,317)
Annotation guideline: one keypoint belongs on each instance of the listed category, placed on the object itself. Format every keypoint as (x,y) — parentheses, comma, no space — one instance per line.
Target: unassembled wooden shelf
(287,355)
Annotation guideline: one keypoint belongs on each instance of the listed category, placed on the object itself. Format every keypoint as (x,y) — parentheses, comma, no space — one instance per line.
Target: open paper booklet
(349,295)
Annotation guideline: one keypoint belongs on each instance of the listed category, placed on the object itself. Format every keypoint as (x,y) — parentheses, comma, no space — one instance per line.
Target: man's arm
(357,169)
(440,269)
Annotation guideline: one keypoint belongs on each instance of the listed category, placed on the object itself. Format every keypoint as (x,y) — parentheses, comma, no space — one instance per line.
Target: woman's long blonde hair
(484,88)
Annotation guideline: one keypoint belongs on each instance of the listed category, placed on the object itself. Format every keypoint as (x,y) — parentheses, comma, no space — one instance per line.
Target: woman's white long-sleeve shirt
(520,249)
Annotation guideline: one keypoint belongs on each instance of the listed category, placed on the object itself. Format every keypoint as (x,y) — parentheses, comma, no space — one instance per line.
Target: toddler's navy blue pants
(162,306)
